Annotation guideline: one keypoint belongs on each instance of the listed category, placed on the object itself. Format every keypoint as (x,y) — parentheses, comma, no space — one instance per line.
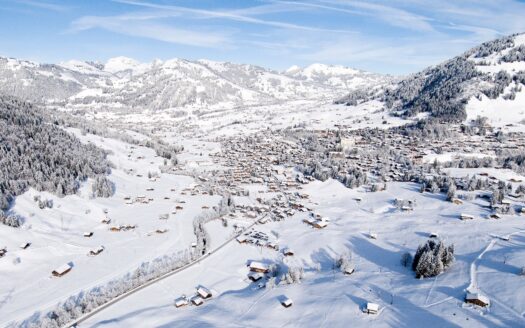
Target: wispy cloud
(141,26)
(151,23)
(390,15)
(43,5)
(243,15)
(379,35)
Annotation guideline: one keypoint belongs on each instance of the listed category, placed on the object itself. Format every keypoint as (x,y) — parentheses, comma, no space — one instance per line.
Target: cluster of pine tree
(490,47)
(36,152)
(354,98)
(430,128)
(514,55)
(432,258)
(12,220)
(351,177)
(500,81)
(102,187)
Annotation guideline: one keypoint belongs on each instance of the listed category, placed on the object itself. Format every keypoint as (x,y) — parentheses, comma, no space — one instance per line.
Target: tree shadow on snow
(381,257)
(500,266)
(324,258)
(129,315)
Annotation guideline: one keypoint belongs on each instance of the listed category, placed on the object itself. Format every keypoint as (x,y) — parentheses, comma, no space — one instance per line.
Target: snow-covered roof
(372,307)
(197,300)
(63,268)
(478,296)
(287,302)
(181,301)
(203,292)
(254,265)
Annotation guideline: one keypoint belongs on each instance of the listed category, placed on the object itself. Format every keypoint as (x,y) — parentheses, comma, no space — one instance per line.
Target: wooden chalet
(62,270)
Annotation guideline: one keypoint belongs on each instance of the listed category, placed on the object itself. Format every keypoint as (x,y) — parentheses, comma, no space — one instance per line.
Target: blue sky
(396,37)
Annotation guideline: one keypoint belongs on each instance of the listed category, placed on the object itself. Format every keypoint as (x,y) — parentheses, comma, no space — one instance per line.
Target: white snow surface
(326,298)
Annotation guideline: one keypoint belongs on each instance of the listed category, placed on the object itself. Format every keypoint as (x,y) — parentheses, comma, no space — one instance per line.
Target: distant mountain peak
(161,84)
(122,63)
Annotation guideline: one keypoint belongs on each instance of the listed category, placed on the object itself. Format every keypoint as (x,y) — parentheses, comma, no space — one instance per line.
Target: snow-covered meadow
(56,235)
(326,297)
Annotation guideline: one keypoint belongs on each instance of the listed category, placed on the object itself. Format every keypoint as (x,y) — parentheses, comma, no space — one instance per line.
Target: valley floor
(326,297)
(160,211)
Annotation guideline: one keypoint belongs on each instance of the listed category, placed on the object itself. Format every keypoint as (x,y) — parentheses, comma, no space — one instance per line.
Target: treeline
(36,152)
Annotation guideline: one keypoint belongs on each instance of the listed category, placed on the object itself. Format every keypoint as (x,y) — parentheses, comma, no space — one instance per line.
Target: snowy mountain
(124,82)
(336,76)
(484,81)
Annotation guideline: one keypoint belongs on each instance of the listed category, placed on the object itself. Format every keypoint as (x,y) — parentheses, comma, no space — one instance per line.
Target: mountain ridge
(125,82)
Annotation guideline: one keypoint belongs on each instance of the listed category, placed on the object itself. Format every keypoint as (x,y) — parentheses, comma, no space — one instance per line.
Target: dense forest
(36,152)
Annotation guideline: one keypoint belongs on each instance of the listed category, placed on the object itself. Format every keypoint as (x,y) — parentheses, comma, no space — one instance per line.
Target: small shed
(433,235)
(456,201)
(181,301)
(258,267)
(241,239)
(288,252)
(25,245)
(62,270)
(349,269)
(477,299)
(88,234)
(204,292)
(371,308)
(96,251)
(286,302)
(197,301)
(464,216)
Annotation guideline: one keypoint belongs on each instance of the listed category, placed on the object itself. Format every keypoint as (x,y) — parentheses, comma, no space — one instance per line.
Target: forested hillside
(36,152)
(444,90)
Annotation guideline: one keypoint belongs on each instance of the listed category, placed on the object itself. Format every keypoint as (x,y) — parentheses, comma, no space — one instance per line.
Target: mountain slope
(126,83)
(36,152)
(494,70)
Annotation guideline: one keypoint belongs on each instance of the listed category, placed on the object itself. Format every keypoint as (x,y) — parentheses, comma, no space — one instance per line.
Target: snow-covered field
(57,235)
(326,297)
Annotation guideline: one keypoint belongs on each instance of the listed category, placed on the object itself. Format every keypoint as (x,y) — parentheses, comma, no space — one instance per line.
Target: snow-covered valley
(211,194)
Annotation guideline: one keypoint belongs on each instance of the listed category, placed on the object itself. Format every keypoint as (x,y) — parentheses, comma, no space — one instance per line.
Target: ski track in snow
(473,278)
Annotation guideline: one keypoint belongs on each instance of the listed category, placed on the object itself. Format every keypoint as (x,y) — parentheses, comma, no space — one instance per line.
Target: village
(261,180)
